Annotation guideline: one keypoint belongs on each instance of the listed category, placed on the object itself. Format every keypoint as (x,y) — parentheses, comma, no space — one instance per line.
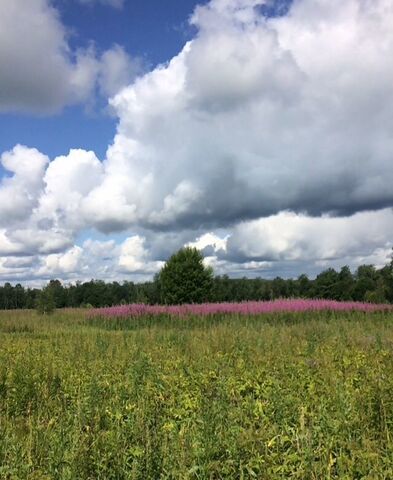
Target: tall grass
(283,395)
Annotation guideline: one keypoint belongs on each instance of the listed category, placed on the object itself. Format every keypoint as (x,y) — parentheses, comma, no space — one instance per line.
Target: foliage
(46,301)
(284,395)
(378,295)
(185,279)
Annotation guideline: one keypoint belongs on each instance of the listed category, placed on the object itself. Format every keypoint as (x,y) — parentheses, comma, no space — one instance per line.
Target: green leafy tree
(378,295)
(386,275)
(185,279)
(46,301)
(59,293)
(304,286)
(366,281)
(345,285)
(325,285)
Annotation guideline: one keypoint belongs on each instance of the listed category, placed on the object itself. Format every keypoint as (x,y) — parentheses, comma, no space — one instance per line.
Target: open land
(302,395)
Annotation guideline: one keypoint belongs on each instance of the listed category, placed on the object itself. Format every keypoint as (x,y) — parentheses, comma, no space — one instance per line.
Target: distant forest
(366,284)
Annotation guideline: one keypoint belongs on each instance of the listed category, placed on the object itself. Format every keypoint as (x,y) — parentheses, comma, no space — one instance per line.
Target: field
(304,395)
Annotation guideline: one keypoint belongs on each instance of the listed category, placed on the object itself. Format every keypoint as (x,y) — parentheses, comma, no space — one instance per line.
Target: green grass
(300,396)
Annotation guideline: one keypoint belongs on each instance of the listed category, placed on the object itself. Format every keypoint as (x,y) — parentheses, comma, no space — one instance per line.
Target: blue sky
(255,130)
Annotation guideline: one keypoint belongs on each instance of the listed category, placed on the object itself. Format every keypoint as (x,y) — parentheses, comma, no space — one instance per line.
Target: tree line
(367,283)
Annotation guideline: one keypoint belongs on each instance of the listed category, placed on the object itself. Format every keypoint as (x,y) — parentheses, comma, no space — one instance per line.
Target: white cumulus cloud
(19,192)
(40,72)
(134,257)
(287,236)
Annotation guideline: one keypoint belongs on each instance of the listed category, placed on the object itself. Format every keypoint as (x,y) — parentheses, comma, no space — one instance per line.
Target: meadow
(274,395)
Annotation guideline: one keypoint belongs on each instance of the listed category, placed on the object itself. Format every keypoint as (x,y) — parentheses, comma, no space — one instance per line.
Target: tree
(366,281)
(325,284)
(386,275)
(185,279)
(45,301)
(304,286)
(59,293)
(345,284)
(378,295)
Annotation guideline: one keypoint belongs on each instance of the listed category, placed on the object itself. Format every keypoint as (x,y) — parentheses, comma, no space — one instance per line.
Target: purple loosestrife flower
(243,308)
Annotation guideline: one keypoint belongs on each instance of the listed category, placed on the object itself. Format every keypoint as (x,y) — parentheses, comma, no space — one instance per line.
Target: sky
(258,131)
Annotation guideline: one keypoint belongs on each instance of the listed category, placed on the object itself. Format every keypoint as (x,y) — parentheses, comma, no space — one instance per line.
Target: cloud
(105,260)
(271,136)
(253,117)
(210,240)
(135,258)
(7,246)
(117,70)
(19,192)
(34,240)
(288,244)
(111,3)
(68,181)
(290,237)
(62,263)
(40,73)
(285,244)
